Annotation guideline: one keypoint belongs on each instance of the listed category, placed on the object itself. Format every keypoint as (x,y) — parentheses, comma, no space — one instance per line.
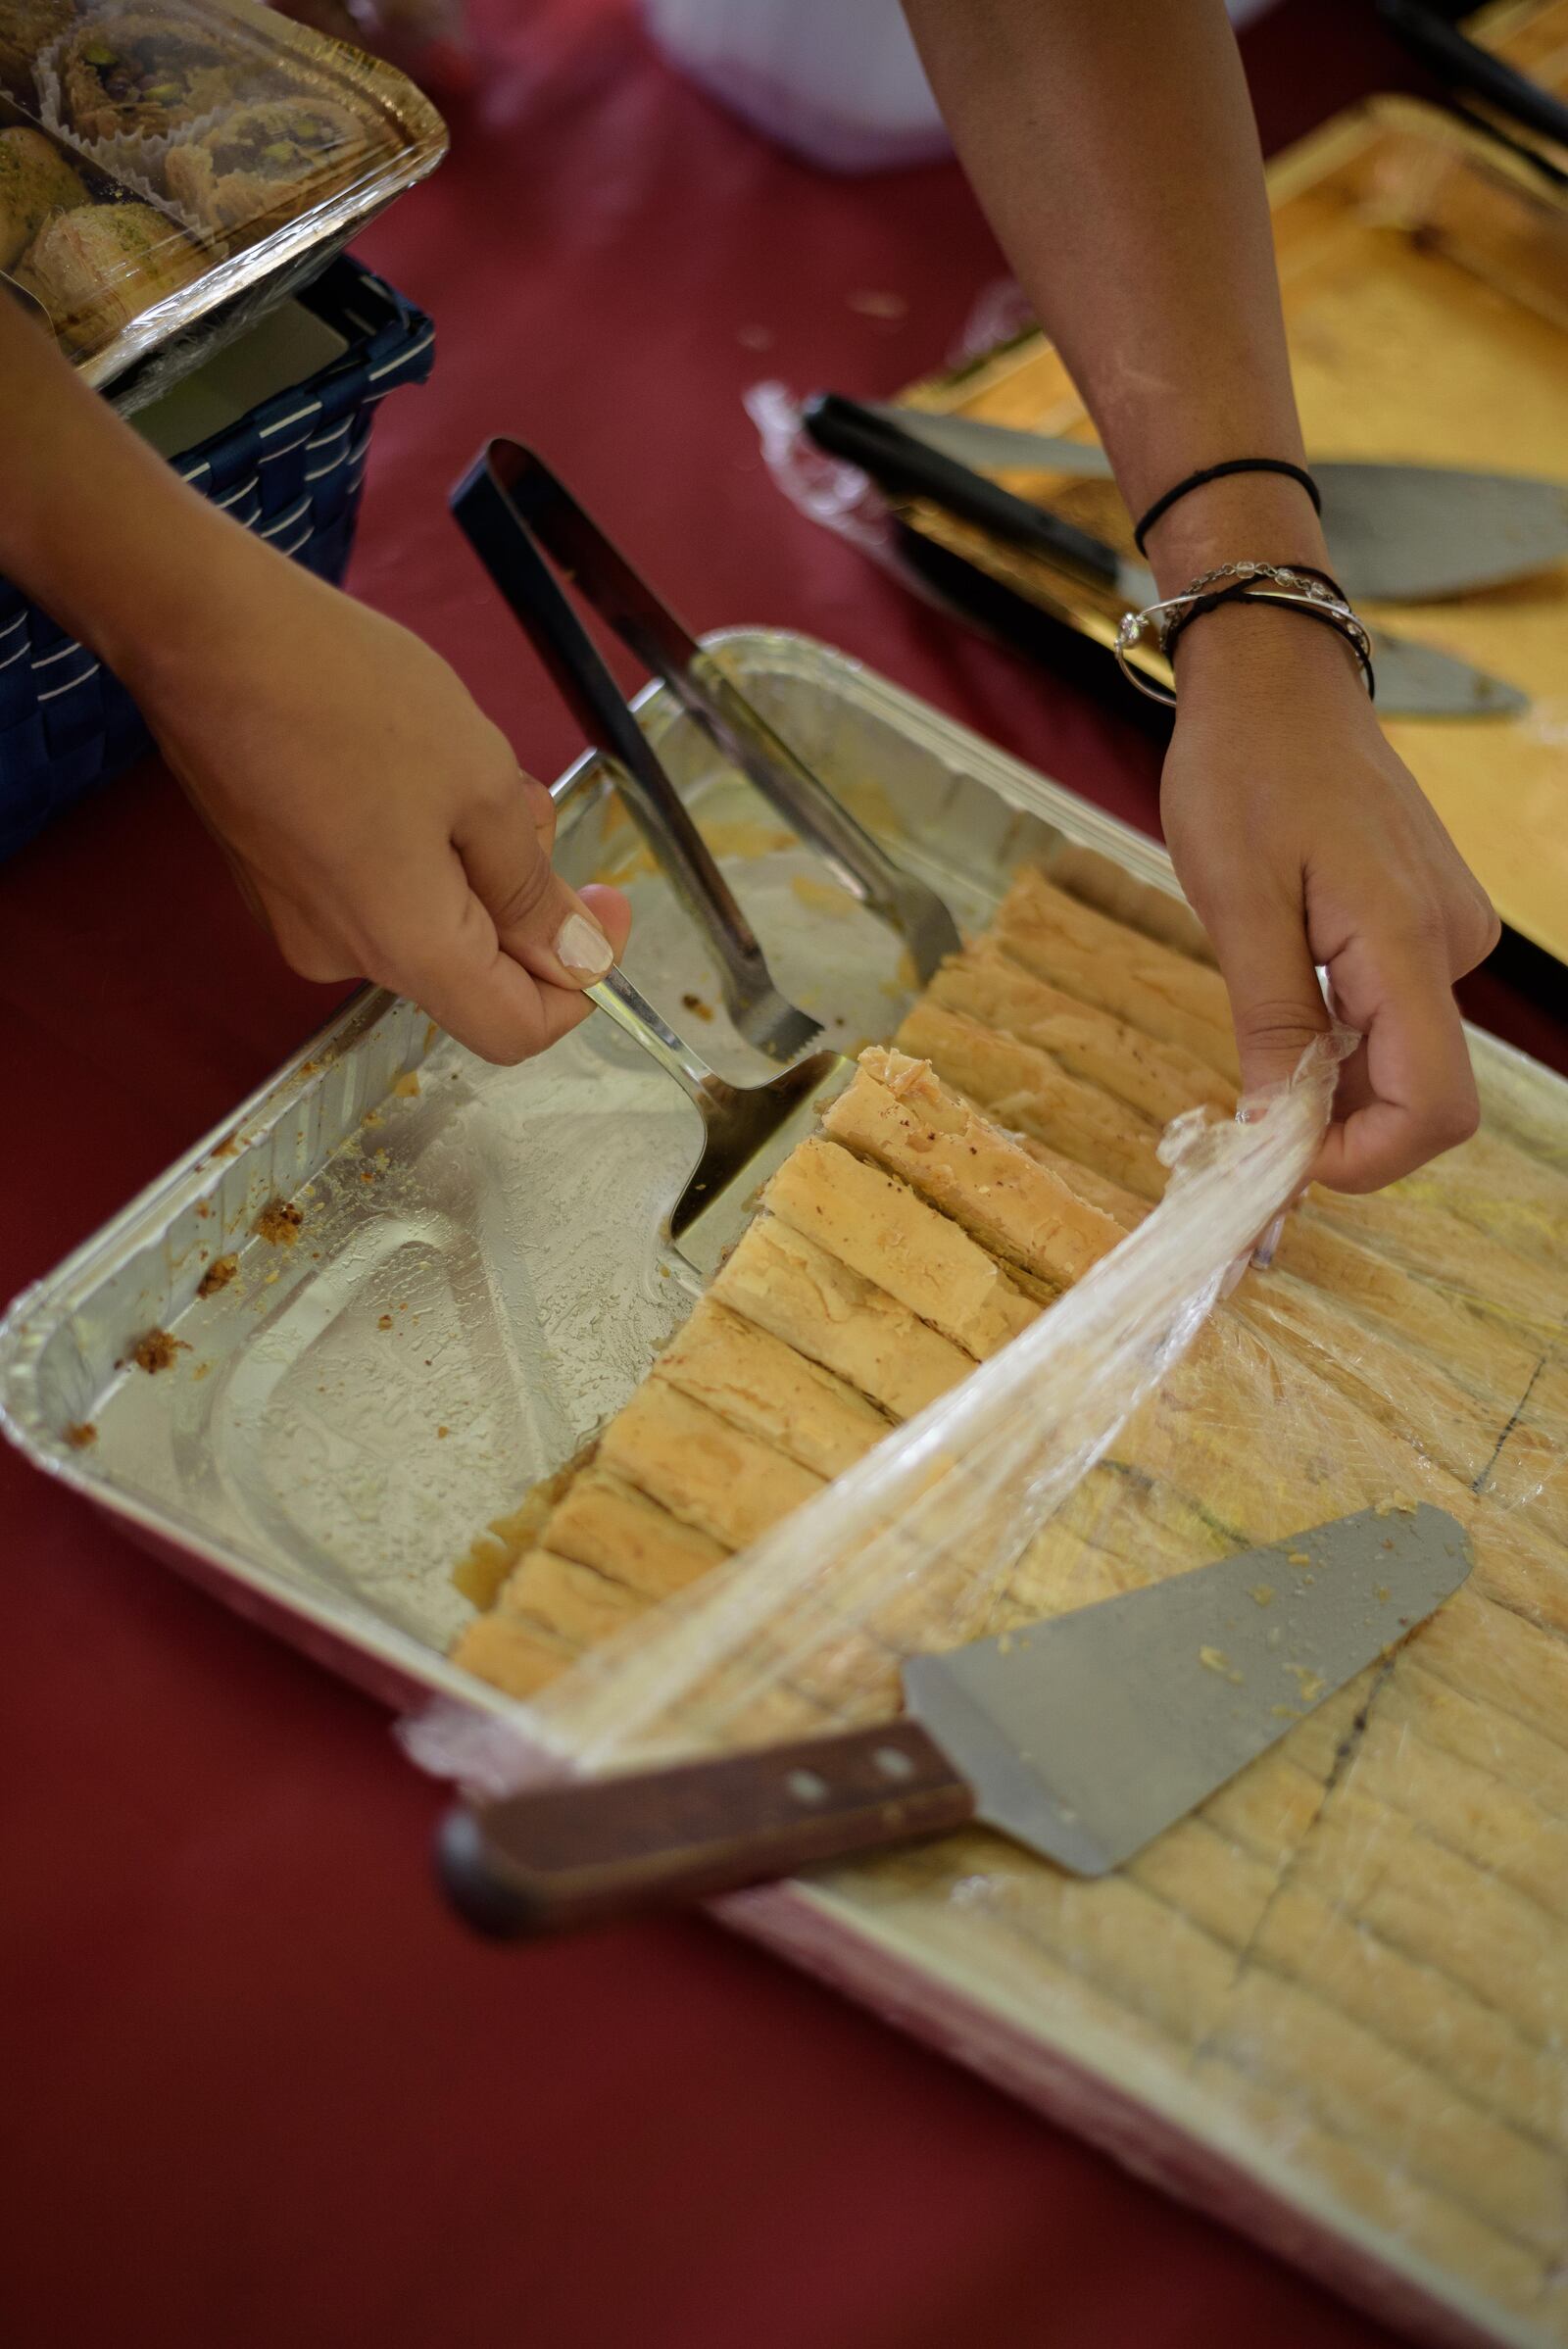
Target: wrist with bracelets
(1290,586)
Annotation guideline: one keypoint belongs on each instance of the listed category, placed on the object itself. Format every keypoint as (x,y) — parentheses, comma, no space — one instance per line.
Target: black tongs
(515,513)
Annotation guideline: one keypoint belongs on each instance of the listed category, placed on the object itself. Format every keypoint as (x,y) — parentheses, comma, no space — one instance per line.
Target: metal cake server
(1414,680)
(748,1130)
(1081,1737)
(1397,533)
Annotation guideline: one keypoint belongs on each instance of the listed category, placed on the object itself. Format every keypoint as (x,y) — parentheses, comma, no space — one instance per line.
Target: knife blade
(1397,533)
(1413,680)
(1081,1737)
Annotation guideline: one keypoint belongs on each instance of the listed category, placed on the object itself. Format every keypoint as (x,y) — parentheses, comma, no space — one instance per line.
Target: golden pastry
(27,29)
(265,164)
(143,73)
(96,269)
(35,180)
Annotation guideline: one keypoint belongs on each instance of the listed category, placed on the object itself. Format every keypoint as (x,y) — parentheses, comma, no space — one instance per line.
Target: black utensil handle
(488,505)
(664,644)
(588,1850)
(898,462)
(1464,64)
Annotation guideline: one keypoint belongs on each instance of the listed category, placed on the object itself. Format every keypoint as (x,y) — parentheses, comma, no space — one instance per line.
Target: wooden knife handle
(587,1851)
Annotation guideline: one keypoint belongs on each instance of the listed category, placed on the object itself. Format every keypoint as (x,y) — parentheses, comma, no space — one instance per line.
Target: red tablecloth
(257,2088)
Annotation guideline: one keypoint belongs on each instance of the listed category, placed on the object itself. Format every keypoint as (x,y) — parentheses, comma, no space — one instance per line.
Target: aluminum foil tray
(474,1281)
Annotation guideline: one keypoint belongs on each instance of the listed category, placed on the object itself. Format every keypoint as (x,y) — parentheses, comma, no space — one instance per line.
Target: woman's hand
(374,818)
(1301,840)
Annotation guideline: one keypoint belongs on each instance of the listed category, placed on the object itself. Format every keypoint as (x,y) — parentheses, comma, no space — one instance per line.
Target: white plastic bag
(837,81)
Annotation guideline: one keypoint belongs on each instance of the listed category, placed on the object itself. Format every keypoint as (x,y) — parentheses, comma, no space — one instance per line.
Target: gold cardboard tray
(1533,35)
(1425,276)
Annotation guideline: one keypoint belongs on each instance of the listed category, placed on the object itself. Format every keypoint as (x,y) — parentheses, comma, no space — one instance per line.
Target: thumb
(1277,1004)
(552,932)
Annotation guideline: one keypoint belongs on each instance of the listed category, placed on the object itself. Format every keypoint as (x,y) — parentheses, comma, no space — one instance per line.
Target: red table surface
(258,2088)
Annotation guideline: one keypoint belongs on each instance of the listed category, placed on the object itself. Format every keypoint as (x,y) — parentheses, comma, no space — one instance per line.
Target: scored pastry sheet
(1351,1960)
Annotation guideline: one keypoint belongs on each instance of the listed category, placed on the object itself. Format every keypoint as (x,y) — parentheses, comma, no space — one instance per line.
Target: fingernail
(583,946)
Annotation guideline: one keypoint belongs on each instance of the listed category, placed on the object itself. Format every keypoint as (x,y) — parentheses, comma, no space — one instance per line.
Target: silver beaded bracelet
(1248,583)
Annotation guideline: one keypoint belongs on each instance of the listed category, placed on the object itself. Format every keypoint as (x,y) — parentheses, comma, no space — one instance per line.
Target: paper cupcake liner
(136,158)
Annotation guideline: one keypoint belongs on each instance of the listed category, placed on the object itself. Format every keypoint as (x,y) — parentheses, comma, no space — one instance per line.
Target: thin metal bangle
(1339,617)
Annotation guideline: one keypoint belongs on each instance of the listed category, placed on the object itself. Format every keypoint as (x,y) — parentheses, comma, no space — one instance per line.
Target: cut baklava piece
(35,182)
(898,1114)
(878,1227)
(142,74)
(1158,1080)
(711,1475)
(762,1385)
(796,1289)
(1027,1089)
(96,269)
(1087,955)
(264,165)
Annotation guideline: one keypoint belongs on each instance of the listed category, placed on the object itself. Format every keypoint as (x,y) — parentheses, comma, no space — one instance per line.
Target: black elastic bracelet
(1217,473)
(1247,591)
(1236,593)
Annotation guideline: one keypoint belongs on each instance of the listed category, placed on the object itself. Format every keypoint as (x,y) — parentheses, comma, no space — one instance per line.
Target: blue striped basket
(292,471)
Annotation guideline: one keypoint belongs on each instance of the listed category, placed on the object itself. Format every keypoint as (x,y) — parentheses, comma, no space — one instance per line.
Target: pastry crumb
(371,1117)
(1296,1557)
(440,1432)
(278,1223)
(695,1005)
(1263,1593)
(407,1086)
(384,1322)
(79,1435)
(1312,1683)
(156,1350)
(218,1275)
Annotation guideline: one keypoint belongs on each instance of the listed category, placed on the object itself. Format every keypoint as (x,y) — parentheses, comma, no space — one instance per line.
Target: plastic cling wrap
(160,163)
(982,1358)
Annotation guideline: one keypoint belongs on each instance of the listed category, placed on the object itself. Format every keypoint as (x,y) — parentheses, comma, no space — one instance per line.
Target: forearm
(94,526)
(1114,151)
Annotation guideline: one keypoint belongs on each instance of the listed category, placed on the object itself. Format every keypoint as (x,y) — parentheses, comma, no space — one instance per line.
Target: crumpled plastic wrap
(1332,2002)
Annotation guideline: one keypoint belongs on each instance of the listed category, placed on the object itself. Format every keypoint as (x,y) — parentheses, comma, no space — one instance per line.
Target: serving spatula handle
(585,1851)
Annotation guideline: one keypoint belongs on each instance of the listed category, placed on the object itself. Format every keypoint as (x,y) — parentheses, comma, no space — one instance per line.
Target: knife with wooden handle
(1081,1737)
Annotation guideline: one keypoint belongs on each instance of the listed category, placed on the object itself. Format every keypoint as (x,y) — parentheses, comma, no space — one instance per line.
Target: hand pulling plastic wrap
(169,170)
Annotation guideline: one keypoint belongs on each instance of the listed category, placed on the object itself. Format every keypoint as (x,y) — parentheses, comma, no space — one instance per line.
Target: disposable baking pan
(400,1286)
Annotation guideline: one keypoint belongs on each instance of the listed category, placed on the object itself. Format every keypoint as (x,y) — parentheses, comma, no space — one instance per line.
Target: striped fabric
(292,471)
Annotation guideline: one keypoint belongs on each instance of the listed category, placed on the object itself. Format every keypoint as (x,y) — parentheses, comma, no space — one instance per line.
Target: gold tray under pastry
(1533,36)
(1425,276)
